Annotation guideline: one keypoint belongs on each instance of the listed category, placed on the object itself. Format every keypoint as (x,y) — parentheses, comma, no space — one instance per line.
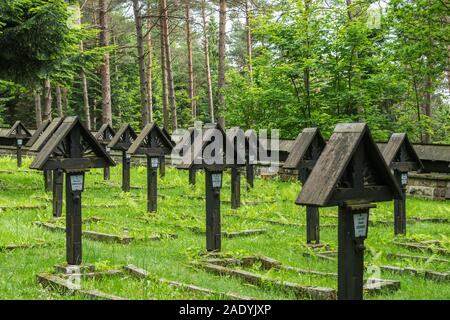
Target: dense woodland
(285,64)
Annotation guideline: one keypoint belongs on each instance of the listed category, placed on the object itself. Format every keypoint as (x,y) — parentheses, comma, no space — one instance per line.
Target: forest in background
(261,64)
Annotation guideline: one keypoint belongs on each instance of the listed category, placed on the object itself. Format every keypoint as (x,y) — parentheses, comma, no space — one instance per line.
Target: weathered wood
(243,233)
(418,247)
(142,274)
(66,159)
(65,286)
(39,131)
(298,290)
(415,258)
(336,166)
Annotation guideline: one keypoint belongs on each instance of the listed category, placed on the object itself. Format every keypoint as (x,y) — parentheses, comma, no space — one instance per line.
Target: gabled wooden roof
(151,141)
(58,151)
(105,134)
(36,134)
(400,152)
(350,169)
(123,138)
(188,160)
(46,135)
(310,140)
(18,130)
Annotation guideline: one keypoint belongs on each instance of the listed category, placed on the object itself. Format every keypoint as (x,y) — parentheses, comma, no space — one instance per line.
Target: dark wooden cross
(104,136)
(73,150)
(153,143)
(17,136)
(53,179)
(123,139)
(350,173)
(401,157)
(202,160)
(237,138)
(304,154)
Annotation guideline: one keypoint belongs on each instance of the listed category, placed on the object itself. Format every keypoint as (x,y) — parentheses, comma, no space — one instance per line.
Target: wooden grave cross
(304,154)
(401,157)
(153,143)
(104,135)
(122,141)
(18,136)
(74,150)
(350,173)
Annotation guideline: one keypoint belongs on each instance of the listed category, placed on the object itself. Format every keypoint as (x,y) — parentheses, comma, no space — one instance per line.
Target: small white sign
(360,224)
(404,179)
(19,142)
(77,182)
(128,156)
(216,180)
(155,162)
(108,149)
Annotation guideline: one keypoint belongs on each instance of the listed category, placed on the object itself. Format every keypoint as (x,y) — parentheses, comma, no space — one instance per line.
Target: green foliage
(315,66)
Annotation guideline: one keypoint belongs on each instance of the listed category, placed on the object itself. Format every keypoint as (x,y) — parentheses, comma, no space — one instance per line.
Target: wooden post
(312,224)
(250,175)
(74,188)
(162,166)
(235,188)
(213,229)
(48,180)
(58,176)
(312,213)
(106,173)
(19,153)
(126,163)
(152,178)
(192,176)
(351,238)
(400,204)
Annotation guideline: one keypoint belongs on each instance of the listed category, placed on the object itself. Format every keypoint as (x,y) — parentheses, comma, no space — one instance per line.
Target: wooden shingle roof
(151,141)
(46,135)
(57,152)
(123,138)
(309,140)
(400,152)
(18,130)
(192,154)
(350,168)
(36,134)
(105,134)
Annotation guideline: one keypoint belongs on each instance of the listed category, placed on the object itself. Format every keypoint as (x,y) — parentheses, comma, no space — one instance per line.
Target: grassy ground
(172,258)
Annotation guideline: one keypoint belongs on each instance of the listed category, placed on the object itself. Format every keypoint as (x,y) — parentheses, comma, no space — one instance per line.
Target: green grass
(171,258)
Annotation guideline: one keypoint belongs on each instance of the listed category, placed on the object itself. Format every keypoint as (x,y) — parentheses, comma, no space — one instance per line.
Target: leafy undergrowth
(181,211)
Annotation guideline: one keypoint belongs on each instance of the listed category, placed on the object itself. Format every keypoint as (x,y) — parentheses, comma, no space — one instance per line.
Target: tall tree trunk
(65,100)
(150,62)
(165,93)
(207,63)
(59,101)
(86,109)
(105,68)
(94,113)
(37,108)
(222,31)
(167,49)
(191,89)
(47,114)
(426,106)
(84,83)
(249,39)
(142,66)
